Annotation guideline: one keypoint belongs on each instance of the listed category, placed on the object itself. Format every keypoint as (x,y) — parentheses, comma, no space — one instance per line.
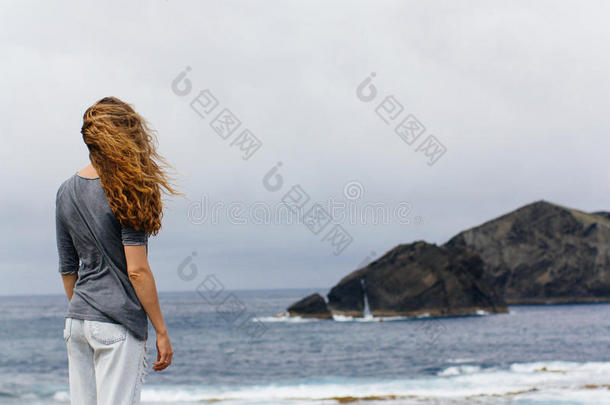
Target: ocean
(230,349)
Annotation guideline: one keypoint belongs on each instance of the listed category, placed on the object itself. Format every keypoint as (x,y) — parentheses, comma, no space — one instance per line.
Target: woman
(104,216)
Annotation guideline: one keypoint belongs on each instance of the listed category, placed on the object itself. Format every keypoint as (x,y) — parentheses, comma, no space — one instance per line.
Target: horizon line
(178,291)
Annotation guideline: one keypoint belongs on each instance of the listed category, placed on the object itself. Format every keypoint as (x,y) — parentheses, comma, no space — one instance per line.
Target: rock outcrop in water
(409,280)
(417,278)
(312,306)
(544,253)
(539,253)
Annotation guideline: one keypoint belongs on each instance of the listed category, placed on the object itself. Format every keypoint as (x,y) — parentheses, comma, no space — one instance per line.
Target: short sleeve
(68,257)
(132,236)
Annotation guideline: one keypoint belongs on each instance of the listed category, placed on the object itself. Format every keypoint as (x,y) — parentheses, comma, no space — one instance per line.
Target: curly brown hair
(122,149)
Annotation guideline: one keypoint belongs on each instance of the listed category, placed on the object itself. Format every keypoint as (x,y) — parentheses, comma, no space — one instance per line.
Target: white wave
(342,318)
(336,317)
(583,383)
(554,382)
(346,318)
(460,360)
(61,396)
(285,318)
(459,370)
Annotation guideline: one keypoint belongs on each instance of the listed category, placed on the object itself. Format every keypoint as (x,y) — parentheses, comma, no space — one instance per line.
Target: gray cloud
(516,91)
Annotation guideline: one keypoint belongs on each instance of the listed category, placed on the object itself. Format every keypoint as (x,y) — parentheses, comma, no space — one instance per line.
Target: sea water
(232,350)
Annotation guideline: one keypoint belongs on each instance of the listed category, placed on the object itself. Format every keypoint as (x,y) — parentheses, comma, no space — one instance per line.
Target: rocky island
(539,253)
(409,280)
(544,253)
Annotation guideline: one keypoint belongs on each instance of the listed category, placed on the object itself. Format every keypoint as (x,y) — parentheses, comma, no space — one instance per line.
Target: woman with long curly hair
(104,215)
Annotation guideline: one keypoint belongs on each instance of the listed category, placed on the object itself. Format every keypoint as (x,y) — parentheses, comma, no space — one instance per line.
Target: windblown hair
(122,149)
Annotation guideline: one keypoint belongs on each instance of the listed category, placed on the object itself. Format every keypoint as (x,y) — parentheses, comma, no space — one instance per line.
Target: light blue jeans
(106,363)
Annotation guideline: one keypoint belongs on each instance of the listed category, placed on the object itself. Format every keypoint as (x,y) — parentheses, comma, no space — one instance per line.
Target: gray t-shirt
(88,230)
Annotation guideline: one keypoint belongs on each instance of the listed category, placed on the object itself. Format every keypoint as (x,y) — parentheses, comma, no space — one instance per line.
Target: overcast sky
(516,94)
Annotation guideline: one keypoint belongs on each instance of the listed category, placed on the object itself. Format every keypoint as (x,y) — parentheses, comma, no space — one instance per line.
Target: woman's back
(88,229)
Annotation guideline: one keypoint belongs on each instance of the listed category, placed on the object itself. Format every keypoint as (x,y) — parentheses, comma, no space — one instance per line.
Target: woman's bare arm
(143,282)
(69,282)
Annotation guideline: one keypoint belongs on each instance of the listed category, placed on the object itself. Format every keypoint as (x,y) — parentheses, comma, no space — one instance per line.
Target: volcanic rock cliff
(544,253)
(539,253)
(412,279)
(417,278)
